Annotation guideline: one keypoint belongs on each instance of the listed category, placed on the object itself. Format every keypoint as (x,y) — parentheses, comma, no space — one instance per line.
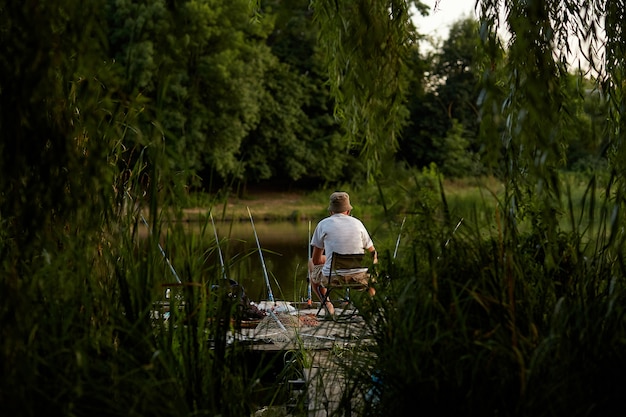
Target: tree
(283,145)
(297,138)
(275,148)
(444,107)
(529,101)
(200,63)
(58,172)
(586,131)
(425,124)
(56,112)
(457,77)
(366,46)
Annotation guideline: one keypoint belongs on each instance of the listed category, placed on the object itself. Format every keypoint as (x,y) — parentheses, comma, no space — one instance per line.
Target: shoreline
(263,205)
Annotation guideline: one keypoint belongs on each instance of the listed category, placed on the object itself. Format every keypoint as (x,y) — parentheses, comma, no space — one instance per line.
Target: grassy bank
(263,204)
(495,317)
(312,204)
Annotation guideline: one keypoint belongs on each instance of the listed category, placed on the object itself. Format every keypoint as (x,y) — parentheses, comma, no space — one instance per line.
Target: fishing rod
(167,260)
(308,274)
(395,252)
(219,249)
(453,232)
(271,313)
(267,279)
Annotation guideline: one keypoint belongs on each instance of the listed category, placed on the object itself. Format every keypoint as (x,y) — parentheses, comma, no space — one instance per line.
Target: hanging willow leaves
(613,84)
(366,44)
(56,157)
(542,38)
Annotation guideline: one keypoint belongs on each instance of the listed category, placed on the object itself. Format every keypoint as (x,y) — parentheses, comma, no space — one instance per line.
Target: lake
(285,253)
(284,247)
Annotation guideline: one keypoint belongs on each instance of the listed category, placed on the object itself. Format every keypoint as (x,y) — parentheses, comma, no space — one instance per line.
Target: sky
(438,22)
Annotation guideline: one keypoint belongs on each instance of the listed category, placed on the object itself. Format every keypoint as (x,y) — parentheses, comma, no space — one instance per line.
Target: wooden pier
(327,345)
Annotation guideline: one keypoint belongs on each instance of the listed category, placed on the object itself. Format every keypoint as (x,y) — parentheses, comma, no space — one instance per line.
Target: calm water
(285,253)
(284,248)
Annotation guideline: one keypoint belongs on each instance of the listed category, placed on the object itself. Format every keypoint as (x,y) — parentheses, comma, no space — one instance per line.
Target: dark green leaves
(365,46)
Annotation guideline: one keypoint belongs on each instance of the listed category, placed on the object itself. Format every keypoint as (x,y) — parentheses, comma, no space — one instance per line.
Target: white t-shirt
(342,234)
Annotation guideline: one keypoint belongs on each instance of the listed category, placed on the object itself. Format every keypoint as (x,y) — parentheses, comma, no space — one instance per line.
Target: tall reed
(80,334)
(472,321)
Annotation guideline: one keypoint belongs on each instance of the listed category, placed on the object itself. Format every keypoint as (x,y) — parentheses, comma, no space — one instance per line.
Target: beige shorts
(359,278)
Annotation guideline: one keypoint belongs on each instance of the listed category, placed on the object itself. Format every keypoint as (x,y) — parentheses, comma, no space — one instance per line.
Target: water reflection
(285,251)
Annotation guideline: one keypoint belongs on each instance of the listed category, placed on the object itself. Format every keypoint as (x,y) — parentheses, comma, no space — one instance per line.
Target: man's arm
(318,256)
(372,251)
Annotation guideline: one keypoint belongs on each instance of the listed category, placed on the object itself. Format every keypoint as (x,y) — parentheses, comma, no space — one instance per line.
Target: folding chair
(346,272)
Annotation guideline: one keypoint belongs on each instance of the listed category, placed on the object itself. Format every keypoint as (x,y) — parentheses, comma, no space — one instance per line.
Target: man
(340,233)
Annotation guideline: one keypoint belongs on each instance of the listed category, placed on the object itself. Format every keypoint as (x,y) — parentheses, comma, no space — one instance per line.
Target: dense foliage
(112,109)
(234,98)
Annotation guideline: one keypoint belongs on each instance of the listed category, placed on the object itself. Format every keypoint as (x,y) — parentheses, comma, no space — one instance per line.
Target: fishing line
(267,279)
(395,252)
(167,260)
(308,276)
(219,249)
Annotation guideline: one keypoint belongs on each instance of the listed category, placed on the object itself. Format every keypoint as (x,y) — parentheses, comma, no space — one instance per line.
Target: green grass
(490,318)
(500,318)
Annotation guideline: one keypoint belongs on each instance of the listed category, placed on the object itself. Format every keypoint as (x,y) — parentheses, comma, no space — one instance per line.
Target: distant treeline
(237,98)
(248,99)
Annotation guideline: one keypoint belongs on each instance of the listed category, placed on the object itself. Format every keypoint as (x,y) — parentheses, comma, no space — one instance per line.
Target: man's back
(342,234)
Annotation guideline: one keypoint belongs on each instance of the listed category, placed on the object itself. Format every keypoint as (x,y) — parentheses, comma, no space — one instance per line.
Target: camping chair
(341,276)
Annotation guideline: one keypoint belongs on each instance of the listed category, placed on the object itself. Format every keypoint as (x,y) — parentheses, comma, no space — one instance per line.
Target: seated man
(340,233)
